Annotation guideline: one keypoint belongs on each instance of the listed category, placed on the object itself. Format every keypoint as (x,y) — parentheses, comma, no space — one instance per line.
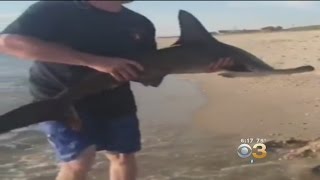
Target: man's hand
(221,64)
(121,69)
(28,48)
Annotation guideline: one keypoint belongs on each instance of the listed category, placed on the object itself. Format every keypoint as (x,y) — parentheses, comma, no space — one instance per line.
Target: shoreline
(246,33)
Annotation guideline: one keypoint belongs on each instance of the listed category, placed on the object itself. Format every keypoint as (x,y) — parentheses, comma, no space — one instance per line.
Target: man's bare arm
(32,49)
(27,48)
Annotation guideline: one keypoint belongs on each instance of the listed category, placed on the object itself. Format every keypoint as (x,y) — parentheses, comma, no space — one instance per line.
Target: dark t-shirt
(87,29)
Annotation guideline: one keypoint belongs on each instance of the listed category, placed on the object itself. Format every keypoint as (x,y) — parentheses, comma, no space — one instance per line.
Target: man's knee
(83,163)
(121,159)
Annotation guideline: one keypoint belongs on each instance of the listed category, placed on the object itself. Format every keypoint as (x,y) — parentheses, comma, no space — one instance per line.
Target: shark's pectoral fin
(227,75)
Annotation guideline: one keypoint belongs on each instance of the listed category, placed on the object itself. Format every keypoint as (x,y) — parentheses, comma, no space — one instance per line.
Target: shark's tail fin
(36,112)
(300,69)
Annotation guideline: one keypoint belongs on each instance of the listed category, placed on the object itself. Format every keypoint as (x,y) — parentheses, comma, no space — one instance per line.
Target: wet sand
(192,124)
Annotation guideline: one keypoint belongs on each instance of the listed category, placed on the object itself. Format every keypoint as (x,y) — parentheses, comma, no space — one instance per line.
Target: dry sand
(283,105)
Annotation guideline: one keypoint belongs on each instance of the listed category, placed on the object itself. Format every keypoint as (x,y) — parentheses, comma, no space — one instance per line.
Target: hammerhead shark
(195,51)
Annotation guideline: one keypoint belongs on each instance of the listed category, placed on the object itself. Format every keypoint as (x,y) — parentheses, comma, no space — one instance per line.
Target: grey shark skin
(194,52)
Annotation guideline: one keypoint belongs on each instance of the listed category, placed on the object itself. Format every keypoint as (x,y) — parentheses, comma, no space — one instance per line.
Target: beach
(192,125)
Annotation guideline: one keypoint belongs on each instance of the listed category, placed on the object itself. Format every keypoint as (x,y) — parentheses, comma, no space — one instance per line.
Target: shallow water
(173,147)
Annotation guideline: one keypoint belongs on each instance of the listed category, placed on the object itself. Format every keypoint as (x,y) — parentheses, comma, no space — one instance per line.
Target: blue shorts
(119,135)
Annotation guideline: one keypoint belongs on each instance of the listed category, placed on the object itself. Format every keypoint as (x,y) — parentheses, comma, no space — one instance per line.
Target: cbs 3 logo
(245,150)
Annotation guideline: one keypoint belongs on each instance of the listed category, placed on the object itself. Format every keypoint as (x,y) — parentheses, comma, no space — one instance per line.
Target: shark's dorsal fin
(192,31)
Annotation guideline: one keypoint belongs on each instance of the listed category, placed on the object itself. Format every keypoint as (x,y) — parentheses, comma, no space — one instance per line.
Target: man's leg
(77,169)
(75,154)
(122,166)
(121,140)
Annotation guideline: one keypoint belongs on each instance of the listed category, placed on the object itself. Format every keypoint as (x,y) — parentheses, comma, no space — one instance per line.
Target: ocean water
(173,148)
(15,145)
(25,154)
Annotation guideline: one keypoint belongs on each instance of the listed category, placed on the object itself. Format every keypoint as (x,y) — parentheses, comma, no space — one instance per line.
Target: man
(69,40)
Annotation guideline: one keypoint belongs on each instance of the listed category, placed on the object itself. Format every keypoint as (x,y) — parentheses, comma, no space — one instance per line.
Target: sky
(215,15)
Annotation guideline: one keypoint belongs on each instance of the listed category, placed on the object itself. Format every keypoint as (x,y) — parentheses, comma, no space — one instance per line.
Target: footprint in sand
(308,150)
(296,149)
